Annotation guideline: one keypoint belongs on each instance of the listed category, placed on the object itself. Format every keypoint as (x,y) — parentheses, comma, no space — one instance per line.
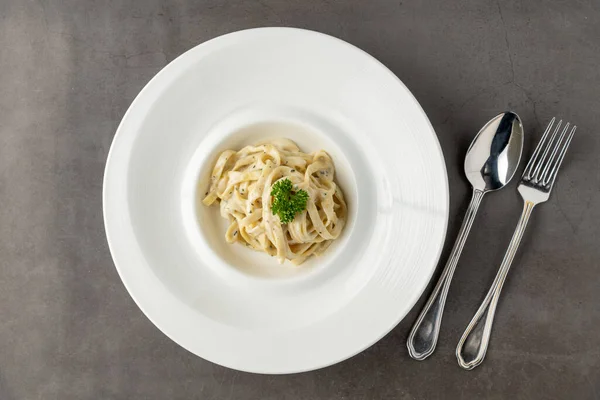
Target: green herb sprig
(287,203)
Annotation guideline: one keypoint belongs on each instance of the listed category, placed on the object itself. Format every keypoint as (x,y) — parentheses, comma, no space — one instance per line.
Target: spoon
(490,164)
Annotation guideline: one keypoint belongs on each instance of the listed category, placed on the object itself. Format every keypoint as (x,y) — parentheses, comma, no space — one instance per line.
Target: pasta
(242,183)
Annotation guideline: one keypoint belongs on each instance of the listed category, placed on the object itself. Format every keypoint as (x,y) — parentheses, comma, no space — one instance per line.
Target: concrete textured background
(68,71)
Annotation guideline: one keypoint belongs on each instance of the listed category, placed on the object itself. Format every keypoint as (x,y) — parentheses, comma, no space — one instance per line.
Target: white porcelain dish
(239,308)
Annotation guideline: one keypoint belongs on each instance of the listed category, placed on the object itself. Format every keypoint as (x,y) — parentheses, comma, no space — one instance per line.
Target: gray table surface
(69,70)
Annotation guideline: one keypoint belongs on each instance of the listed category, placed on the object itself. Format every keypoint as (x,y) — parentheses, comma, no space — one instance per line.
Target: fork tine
(542,160)
(536,152)
(556,147)
(561,157)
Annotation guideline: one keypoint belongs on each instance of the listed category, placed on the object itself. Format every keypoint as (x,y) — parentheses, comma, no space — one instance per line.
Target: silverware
(490,164)
(535,187)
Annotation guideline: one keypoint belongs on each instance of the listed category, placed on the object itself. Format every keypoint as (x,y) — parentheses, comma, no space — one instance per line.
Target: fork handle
(473,345)
(424,334)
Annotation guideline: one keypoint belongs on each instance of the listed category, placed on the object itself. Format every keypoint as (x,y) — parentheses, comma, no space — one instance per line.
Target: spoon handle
(473,344)
(424,335)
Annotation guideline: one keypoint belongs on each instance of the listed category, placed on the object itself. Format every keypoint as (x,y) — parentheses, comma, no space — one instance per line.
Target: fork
(535,187)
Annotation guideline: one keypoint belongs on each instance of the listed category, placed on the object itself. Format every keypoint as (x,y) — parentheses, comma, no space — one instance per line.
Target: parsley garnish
(286,203)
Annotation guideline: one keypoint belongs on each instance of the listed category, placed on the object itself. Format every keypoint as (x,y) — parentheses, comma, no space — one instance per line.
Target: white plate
(226,303)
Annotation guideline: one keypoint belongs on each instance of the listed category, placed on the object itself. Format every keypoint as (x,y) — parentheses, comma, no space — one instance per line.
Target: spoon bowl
(493,156)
